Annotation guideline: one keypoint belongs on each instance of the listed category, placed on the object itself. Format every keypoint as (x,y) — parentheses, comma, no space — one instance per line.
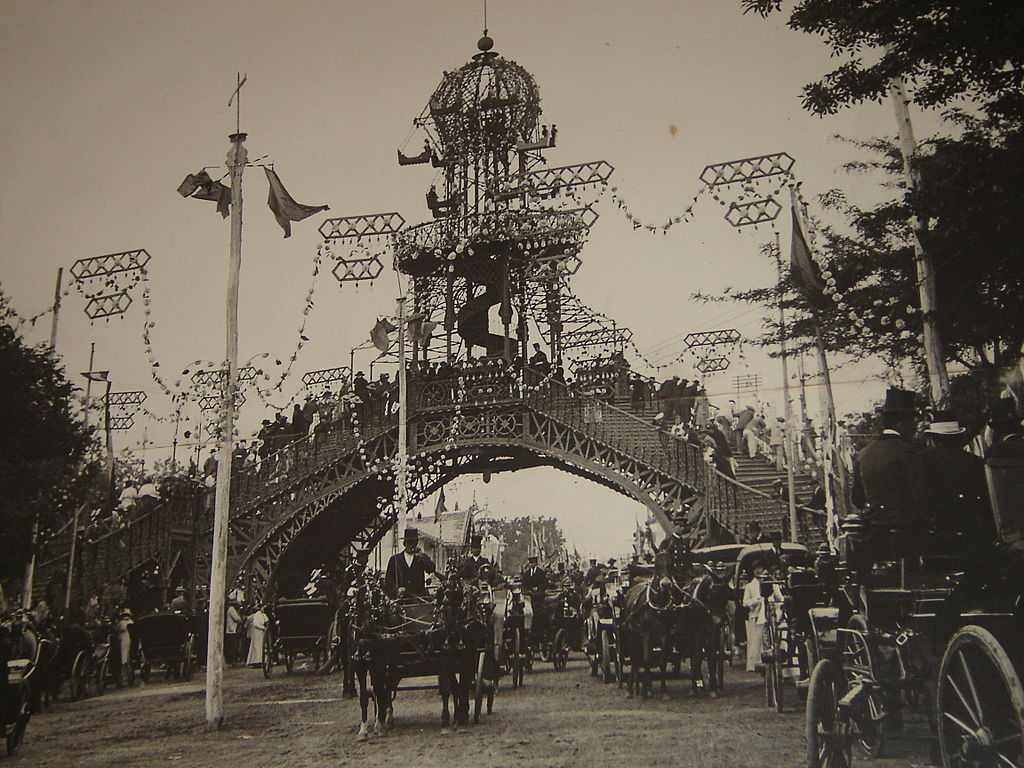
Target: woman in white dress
(754,604)
(257,627)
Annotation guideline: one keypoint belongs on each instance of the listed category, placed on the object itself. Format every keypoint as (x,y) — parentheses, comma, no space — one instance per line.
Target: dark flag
(804,270)
(440,509)
(285,209)
(200,186)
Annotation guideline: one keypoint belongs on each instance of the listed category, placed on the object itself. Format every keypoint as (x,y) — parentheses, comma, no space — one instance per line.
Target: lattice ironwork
(554,180)
(212,402)
(122,422)
(712,364)
(326,376)
(212,379)
(710,338)
(747,382)
(755,212)
(110,264)
(364,225)
(356,270)
(596,337)
(125,399)
(108,305)
(747,169)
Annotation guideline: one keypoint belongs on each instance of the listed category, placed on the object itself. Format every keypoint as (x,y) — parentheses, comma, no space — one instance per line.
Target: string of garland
(639,224)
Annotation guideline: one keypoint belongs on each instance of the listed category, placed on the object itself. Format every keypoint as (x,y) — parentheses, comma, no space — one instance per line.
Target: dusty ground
(558,719)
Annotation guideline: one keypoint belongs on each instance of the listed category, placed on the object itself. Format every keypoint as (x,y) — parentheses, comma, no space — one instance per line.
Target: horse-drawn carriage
(602,607)
(164,641)
(18,669)
(557,625)
(83,659)
(298,627)
(447,636)
(514,650)
(942,626)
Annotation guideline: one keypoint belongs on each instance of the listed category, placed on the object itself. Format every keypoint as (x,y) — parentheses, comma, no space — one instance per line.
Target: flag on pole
(440,508)
(379,334)
(804,270)
(284,207)
(200,186)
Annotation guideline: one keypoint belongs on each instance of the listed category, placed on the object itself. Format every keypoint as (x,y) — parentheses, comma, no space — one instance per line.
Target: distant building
(449,536)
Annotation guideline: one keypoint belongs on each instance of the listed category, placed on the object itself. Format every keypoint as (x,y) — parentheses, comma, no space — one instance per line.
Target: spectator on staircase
(777,441)
(752,434)
(743,417)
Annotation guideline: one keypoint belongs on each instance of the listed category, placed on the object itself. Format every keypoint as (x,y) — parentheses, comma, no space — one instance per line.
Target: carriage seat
(18,669)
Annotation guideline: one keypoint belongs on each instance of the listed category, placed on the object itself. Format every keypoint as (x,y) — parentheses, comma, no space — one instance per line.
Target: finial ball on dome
(485,43)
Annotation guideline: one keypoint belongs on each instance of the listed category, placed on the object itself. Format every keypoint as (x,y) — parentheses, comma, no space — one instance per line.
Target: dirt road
(557,719)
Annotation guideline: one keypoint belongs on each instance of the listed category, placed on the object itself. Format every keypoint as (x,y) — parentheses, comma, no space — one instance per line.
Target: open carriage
(602,607)
(84,660)
(720,563)
(164,641)
(18,668)
(298,628)
(940,628)
(557,625)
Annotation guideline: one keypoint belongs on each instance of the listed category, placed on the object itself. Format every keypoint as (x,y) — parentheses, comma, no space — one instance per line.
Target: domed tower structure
(490,237)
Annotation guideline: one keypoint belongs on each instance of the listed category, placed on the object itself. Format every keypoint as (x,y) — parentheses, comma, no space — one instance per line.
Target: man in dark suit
(881,483)
(408,570)
(1007,438)
(948,483)
(474,560)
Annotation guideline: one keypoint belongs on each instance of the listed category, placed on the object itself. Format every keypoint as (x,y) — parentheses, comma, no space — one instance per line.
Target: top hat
(899,401)
(531,557)
(1003,412)
(359,373)
(476,540)
(944,423)
(411,534)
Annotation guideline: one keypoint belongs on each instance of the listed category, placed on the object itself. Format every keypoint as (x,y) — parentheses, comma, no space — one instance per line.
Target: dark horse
(660,614)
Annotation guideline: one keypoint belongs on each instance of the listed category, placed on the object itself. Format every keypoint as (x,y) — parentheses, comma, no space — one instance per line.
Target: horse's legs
(697,663)
(364,700)
(629,651)
(645,642)
(665,641)
(444,687)
(382,698)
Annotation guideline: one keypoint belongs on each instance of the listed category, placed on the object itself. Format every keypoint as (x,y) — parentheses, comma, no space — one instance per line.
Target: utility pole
(787,408)
(938,378)
(236,161)
(30,567)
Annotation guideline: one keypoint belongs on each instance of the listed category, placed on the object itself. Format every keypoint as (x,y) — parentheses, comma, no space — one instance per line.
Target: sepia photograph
(512,383)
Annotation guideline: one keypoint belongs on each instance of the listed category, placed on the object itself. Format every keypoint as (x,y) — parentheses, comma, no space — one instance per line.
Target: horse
(372,617)
(659,613)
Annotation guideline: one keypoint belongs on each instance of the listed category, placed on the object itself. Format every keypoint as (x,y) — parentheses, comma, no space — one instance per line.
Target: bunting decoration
(284,207)
(200,186)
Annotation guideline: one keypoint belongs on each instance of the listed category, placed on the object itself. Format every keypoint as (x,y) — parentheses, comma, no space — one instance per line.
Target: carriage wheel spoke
(1004,759)
(963,699)
(959,723)
(970,684)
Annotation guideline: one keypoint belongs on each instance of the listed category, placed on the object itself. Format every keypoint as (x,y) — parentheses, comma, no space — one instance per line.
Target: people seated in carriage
(593,573)
(881,485)
(179,604)
(472,563)
(534,581)
(948,485)
(677,546)
(407,570)
(1007,435)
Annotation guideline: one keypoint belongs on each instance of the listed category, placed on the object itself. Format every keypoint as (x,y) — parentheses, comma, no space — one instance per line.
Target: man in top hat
(593,572)
(407,570)
(474,560)
(880,475)
(1007,439)
(948,483)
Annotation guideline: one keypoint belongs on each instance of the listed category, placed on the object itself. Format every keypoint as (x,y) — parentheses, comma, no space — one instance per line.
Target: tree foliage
(968,184)
(42,446)
(516,533)
(944,48)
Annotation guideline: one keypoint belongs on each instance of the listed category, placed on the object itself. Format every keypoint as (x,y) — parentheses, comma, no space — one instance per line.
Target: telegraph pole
(236,161)
(787,408)
(402,458)
(938,378)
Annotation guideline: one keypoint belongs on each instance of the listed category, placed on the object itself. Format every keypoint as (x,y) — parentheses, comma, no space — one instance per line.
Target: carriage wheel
(979,703)
(478,686)
(188,664)
(516,661)
(620,662)
(772,669)
(101,678)
(289,662)
(559,651)
(17,732)
(867,722)
(144,671)
(825,729)
(606,655)
(268,655)
(725,633)
(719,662)
(79,676)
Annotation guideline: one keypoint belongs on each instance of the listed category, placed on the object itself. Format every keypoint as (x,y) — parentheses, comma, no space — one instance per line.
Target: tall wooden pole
(938,378)
(787,408)
(237,157)
(30,566)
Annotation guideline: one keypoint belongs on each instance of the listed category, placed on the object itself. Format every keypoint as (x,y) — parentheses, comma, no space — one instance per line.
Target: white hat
(944,423)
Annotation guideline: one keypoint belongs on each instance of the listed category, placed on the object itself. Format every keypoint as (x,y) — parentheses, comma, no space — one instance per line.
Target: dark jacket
(948,485)
(413,578)
(534,579)
(881,482)
(471,566)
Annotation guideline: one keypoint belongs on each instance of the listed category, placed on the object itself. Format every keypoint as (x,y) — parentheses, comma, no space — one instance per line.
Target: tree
(516,533)
(944,48)
(968,185)
(42,446)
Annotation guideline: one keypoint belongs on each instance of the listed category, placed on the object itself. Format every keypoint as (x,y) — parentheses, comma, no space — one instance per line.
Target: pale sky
(108,105)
